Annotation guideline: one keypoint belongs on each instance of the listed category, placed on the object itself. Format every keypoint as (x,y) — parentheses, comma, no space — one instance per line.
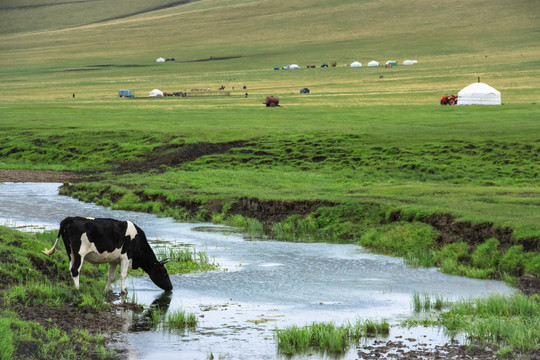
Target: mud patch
(170,156)
(68,318)
(474,234)
(412,349)
(529,284)
(273,211)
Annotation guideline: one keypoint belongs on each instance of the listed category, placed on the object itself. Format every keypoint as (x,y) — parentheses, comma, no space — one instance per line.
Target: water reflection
(146,321)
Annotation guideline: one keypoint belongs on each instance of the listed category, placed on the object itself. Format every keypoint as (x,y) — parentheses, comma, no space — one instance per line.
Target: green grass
(180,319)
(511,321)
(30,278)
(427,302)
(508,321)
(372,144)
(171,320)
(327,337)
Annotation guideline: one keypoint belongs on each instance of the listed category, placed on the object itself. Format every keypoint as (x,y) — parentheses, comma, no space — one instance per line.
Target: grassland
(372,140)
(363,136)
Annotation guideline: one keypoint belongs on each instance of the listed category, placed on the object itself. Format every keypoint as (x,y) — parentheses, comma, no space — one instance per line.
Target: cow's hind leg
(75,268)
(112,275)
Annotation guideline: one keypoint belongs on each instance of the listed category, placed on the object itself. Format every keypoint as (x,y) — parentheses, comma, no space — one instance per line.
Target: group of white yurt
(376,63)
(479,94)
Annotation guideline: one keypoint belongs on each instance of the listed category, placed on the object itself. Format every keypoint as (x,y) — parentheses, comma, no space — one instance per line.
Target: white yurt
(391,62)
(373,63)
(479,94)
(294,66)
(155,92)
(160,60)
(356,64)
(409,62)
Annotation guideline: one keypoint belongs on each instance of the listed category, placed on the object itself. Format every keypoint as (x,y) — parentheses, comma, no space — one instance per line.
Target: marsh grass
(427,302)
(327,337)
(413,241)
(180,319)
(171,320)
(510,321)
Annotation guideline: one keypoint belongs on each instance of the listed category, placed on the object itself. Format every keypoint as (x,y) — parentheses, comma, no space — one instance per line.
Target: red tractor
(449,100)
(271,101)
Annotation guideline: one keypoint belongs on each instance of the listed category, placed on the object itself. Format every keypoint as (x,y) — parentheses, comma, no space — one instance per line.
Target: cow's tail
(53,249)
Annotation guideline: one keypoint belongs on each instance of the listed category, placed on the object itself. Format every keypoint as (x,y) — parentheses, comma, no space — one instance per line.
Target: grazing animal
(101,241)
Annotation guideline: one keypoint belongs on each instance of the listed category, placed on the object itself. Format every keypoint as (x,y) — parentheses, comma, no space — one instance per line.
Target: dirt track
(37,176)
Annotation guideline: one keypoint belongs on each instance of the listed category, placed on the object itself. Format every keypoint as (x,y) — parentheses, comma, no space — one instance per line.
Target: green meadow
(373,141)
(375,136)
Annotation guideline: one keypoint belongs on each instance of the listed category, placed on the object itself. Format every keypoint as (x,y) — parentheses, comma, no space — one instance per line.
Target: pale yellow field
(58,49)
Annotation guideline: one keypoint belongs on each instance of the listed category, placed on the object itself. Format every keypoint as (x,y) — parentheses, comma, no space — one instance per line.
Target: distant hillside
(98,45)
(415,27)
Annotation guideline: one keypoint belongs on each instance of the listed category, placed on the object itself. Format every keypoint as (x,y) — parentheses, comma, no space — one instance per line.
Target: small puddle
(263,285)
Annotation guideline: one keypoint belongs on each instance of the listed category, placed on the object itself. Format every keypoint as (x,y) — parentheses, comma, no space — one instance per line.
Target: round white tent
(373,63)
(160,60)
(155,92)
(356,64)
(294,66)
(409,62)
(479,94)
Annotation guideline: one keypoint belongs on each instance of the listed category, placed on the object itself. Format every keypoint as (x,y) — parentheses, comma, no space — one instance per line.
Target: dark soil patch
(213,58)
(453,350)
(169,156)
(68,318)
(112,65)
(529,284)
(474,234)
(273,211)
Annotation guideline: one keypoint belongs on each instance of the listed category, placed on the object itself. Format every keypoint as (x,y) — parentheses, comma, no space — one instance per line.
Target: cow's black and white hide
(110,241)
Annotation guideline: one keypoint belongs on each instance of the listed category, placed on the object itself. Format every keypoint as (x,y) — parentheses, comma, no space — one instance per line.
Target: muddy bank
(474,234)
(10,175)
(170,156)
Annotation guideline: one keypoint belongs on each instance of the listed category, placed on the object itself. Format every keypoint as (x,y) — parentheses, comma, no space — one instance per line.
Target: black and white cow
(110,241)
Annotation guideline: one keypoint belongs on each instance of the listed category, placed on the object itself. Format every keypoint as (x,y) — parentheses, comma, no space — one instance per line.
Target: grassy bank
(42,316)
(34,284)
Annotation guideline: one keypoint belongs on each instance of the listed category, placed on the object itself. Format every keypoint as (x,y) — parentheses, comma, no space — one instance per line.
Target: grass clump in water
(509,321)
(180,319)
(327,337)
(425,302)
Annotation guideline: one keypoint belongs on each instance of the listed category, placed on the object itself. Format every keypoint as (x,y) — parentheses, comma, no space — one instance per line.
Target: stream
(262,285)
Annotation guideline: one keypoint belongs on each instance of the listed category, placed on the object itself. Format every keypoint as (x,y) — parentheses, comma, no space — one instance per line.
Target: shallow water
(262,285)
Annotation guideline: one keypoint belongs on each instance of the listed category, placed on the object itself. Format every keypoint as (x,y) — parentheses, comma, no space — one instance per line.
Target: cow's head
(160,277)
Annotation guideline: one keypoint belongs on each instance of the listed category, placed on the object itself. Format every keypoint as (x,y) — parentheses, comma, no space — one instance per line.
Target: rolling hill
(483,36)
